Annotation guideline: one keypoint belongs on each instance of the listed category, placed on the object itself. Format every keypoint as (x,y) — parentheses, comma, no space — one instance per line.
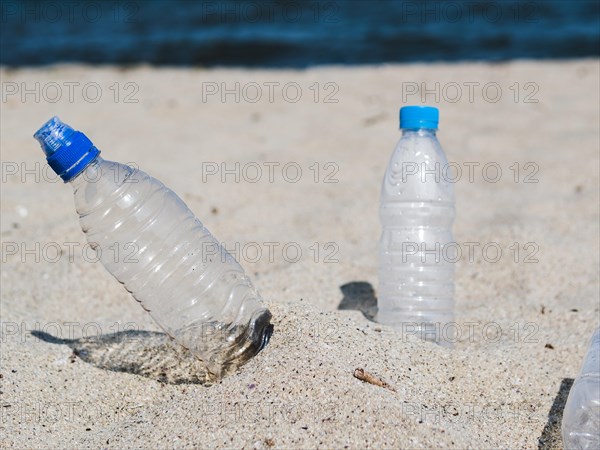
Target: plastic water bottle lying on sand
(416,256)
(581,416)
(190,285)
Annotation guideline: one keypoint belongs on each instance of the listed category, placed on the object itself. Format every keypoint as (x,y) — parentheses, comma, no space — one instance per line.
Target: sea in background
(294,33)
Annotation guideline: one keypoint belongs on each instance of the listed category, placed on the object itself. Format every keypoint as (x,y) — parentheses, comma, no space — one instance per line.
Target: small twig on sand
(362,375)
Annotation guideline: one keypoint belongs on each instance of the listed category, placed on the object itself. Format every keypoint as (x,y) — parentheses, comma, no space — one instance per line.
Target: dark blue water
(294,33)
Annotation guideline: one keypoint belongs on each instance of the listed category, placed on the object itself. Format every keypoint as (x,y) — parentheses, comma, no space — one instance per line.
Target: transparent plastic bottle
(417,251)
(147,237)
(581,416)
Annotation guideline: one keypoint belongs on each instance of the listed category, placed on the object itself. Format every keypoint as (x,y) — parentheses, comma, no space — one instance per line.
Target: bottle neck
(90,172)
(419,132)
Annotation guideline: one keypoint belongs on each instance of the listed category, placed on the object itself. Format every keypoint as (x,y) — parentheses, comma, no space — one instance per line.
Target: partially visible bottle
(147,237)
(581,416)
(417,251)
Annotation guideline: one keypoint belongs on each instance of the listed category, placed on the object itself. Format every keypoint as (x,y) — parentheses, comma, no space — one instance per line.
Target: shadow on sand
(359,296)
(551,435)
(145,353)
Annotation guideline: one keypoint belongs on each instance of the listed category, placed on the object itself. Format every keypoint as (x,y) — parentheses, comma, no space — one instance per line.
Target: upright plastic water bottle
(581,416)
(154,245)
(416,251)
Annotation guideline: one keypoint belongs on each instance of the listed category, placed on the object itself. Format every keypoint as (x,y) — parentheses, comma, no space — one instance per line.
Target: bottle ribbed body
(581,416)
(417,252)
(153,244)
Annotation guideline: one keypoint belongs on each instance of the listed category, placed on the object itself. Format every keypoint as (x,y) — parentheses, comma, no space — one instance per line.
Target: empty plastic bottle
(581,416)
(153,244)
(417,252)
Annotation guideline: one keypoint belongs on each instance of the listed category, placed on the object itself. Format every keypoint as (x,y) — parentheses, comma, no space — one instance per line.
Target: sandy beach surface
(285,168)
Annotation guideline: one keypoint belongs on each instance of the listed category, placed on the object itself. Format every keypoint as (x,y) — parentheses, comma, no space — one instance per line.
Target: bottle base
(227,346)
(436,330)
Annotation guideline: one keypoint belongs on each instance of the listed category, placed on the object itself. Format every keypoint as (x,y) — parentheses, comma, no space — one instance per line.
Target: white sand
(300,391)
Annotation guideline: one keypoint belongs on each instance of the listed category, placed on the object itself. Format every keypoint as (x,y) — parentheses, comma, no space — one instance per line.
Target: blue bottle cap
(419,117)
(67,151)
